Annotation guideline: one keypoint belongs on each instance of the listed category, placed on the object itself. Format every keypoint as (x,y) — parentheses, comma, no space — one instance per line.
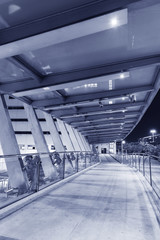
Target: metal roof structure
(93,64)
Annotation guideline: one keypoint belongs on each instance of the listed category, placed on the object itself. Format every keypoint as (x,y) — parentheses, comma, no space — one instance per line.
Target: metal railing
(62,164)
(147,164)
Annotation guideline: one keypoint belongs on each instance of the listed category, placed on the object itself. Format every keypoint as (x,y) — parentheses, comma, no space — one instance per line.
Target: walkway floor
(107,202)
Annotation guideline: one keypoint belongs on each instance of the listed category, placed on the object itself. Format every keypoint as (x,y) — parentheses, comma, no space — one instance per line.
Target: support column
(73,138)
(84,144)
(65,136)
(57,141)
(78,139)
(17,177)
(40,142)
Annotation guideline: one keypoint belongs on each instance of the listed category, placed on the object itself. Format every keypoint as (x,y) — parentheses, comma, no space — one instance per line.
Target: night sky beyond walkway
(151,120)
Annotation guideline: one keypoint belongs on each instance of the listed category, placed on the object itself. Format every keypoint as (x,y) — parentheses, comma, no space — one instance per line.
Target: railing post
(77,167)
(139,160)
(143,166)
(150,170)
(85,160)
(38,175)
(63,174)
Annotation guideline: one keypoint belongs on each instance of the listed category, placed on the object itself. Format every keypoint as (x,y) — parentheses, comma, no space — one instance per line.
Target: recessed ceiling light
(123,98)
(110,85)
(110,102)
(121,75)
(47,67)
(46,88)
(114,22)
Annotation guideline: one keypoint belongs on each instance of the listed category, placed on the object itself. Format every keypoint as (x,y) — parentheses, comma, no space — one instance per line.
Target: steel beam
(105,126)
(85,125)
(105,131)
(108,116)
(87,110)
(63,80)
(85,98)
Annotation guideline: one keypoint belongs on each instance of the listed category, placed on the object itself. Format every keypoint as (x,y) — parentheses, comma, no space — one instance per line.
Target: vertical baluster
(150,170)
(63,174)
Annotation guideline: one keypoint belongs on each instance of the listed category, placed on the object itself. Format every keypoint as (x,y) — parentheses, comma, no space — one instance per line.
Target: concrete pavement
(107,202)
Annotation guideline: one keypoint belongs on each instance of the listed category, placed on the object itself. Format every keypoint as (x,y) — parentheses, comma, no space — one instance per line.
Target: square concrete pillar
(73,138)
(79,139)
(57,141)
(40,142)
(17,177)
(66,139)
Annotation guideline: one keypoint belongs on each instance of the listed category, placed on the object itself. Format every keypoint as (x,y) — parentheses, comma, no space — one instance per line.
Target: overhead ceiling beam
(118,135)
(106,140)
(87,110)
(107,126)
(106,131)
(86,125)
(112,133)
(66,79)
(19,37)
(32,72)
(108,116)
(74,100)
(105,137)
(101,138)
(20,63)
(114,130)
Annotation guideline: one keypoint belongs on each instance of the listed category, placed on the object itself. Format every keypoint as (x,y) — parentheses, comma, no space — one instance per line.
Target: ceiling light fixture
(121,75)
(114,22)
(46,88)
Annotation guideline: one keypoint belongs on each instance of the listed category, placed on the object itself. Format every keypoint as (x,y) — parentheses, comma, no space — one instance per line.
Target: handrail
(42,153)
(148,155)
(144,163)
(63,165)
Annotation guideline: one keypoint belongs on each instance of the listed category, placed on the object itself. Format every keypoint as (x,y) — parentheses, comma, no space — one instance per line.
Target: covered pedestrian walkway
(106,202)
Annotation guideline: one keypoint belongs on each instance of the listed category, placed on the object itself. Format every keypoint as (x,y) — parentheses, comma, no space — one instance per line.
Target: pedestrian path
(108,202)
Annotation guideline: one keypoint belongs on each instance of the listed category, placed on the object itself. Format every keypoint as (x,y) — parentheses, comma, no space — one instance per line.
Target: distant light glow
(153,131)
(123,142)
(123,98)
(114,22)
(110,102)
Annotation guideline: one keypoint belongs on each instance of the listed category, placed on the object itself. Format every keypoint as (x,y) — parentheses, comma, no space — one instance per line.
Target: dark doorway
(103,150)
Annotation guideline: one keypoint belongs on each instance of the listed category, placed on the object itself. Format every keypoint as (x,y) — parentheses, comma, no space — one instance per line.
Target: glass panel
(33,167)
(9,72)
(138,38)
(155,175)
(16,12)
(147,168)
